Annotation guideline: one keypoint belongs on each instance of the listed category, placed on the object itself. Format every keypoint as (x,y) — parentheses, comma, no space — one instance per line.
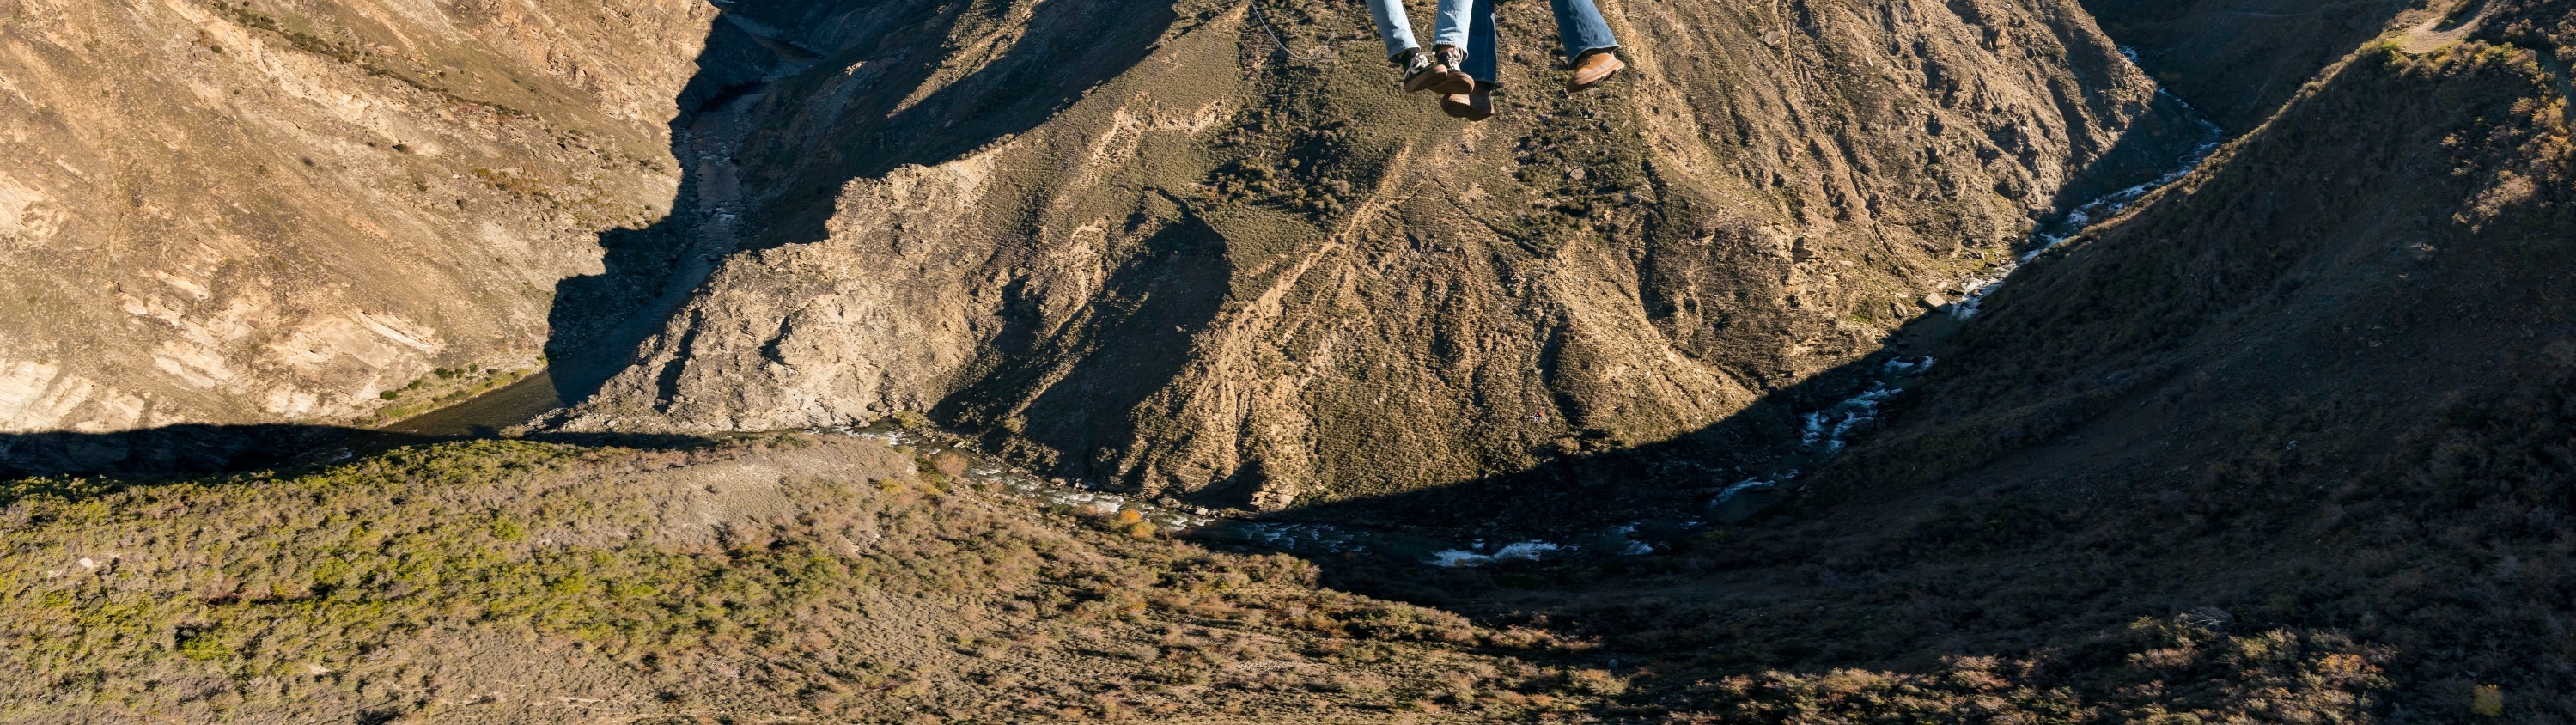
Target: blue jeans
(1578,24)
(1397,31)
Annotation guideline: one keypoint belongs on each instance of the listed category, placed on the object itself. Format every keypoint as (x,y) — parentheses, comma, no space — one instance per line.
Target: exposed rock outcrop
(215,211)
(1208,247)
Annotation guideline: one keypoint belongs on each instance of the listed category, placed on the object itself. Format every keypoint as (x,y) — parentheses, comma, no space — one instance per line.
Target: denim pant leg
(1392,26)
(1481,60)
(1454,22)
(1581,25)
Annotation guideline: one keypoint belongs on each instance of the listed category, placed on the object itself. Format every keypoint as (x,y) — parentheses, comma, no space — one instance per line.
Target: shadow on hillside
(1675,479)
(747,65)
(2238,61)
(759,55)
(2169,131)
(861,91)
(189,450)
(1154,303)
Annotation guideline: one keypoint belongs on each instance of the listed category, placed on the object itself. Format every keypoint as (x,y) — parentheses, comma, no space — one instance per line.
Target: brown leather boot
(1592,68)
(1476,105)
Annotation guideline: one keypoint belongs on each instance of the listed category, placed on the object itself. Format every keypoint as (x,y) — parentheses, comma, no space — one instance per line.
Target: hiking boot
(1424,72)
(1475,105)
(1593,68)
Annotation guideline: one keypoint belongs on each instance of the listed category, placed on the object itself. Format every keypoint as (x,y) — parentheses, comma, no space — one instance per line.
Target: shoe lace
(1455,58)
(1416,62)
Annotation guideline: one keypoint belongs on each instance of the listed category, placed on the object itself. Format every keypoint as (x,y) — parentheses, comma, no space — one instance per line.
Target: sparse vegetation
(629,574)
(2290,442)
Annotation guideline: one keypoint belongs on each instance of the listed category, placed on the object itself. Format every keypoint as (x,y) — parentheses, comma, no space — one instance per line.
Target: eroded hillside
(1204,247)
(2386,248)
(216,211)
(2319,391)
(2289,441)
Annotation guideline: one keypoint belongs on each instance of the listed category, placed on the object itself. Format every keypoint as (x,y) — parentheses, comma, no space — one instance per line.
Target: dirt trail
(2438,31)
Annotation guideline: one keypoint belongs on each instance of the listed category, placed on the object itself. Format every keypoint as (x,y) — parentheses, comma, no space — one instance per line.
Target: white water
(1976,288)
(1519,551)
(1827,432)
(1321,538)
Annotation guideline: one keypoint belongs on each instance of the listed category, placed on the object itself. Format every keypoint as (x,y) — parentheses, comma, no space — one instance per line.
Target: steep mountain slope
(1205,247)
(2386,248)
(292,210)
(2291,441)
(2316,395)
(2237,60)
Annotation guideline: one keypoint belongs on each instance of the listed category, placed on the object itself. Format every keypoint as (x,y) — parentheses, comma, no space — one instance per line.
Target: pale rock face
(1103,282)
(27,218)
(273,211)
(35,396)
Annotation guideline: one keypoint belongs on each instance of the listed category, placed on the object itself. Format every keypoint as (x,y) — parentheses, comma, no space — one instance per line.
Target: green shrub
(2486,701)
(204,646)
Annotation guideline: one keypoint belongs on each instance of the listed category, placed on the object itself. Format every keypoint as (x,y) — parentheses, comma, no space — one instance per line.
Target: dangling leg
(1481,64)
(1449,42)
(1422,71)
(1393,28)
(1589,45)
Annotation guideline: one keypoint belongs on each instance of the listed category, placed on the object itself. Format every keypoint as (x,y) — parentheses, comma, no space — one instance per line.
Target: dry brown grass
(789,577)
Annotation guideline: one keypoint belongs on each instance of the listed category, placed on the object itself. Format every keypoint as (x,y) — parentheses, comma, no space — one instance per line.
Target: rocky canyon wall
(1208,248)
(294,210)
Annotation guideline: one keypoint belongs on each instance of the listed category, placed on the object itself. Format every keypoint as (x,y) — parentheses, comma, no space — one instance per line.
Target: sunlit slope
(1142,243)
(311,210)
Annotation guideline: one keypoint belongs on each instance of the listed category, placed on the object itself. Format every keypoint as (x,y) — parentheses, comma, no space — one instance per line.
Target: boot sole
(1467,111)
(1456,84)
